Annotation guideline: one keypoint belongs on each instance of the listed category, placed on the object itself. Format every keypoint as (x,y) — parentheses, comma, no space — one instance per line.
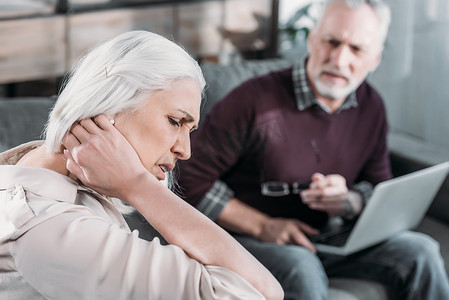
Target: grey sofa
(22,120)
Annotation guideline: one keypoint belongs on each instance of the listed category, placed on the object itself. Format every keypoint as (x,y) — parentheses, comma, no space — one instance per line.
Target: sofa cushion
(22,120)
(356,289)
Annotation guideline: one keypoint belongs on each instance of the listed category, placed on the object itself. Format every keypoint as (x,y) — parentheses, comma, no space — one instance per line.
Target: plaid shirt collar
(305,97)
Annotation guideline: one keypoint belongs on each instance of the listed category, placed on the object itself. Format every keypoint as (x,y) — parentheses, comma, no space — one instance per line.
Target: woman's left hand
(101,157)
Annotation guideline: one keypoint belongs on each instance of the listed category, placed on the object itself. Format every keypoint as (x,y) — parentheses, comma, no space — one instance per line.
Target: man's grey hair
(380,8)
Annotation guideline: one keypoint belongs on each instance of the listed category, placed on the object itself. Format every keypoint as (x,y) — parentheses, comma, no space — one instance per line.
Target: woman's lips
(164,168)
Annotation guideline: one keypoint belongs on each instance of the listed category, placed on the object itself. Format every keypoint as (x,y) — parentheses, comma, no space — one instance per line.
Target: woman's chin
(159,174)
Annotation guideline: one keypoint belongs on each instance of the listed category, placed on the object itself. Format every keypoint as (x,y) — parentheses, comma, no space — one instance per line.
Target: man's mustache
(337,72)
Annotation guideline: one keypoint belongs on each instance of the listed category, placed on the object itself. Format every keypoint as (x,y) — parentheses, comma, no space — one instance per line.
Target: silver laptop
(395,205)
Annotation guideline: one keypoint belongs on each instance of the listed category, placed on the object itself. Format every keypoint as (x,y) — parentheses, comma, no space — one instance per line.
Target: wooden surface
(247,24)
(216,27)
(199,24)
(32,48)
(47,46)
(23,8)
(89,29)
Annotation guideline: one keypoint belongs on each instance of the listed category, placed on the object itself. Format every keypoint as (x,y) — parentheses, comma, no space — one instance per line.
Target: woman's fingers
(104,122)
(72,166)
(101,157)
(87,127)
(70,141)
(80,132)
(90,126)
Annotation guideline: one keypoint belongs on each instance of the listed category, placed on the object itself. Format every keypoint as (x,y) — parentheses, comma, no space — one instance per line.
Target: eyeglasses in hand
(279,188)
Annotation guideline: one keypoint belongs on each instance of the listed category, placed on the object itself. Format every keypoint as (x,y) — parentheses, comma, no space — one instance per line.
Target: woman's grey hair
(380,8)
(118,76)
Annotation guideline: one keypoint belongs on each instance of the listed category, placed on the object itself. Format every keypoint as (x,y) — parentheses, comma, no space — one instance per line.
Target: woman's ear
(111,118)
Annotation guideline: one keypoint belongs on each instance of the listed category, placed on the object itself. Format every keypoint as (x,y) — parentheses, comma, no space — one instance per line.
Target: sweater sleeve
(218,144)
(377,168)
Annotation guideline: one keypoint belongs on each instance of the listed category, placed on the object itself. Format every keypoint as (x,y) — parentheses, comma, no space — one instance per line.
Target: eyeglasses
(279,188)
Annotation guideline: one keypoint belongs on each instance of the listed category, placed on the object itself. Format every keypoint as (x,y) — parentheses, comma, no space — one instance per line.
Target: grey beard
(333,94)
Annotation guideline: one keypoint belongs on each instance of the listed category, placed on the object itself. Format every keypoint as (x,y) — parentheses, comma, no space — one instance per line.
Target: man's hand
(287,231)
(331,195)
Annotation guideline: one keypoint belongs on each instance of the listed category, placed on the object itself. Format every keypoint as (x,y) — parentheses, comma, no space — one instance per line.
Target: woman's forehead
(183,96)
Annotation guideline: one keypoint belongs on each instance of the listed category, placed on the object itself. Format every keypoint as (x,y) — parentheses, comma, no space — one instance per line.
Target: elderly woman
(120,124)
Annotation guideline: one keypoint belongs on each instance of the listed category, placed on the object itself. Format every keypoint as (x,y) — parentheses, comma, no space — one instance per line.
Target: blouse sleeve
(79,256)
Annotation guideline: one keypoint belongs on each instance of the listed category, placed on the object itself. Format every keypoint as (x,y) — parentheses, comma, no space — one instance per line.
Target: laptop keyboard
(336,237)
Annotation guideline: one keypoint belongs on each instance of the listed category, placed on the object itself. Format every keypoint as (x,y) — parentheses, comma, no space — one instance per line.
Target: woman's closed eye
(174,121)
(178,122)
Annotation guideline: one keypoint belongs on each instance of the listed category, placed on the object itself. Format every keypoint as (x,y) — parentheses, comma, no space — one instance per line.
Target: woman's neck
(41,158)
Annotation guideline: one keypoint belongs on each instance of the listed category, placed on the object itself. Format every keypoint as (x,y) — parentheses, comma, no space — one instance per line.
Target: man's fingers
(318,181)
(317,177)
(325,206)
(310,194)
(336,179)
(333,191)
(337,199)
(299,238)
(307,229)
(283,238)
(330,192)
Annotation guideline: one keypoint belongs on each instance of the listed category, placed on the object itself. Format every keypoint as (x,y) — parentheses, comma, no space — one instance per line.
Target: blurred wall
(413,77)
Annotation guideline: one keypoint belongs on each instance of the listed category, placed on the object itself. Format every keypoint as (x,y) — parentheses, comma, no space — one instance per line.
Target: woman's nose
(182,147)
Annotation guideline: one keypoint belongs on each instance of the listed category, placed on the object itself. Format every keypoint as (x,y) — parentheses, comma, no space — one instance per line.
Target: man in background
(320,126)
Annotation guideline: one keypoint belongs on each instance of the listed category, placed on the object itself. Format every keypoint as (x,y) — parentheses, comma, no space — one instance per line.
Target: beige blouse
(61,240)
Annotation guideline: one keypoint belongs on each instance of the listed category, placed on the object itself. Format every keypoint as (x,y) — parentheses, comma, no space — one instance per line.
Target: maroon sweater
(257,134)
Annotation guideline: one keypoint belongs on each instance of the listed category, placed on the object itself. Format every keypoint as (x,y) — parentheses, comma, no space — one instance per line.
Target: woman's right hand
(101,157)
